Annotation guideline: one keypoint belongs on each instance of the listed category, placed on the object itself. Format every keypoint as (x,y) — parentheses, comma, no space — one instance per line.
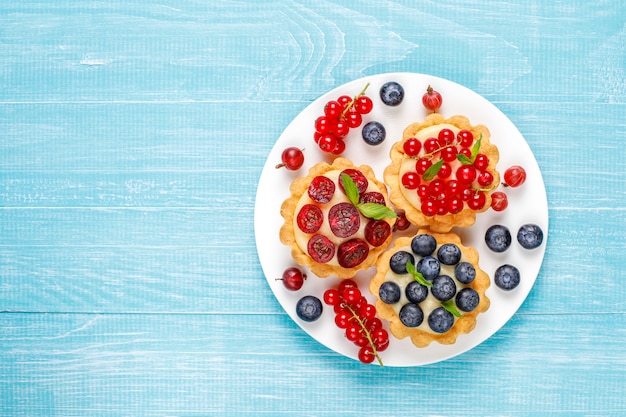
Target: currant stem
(351,104)
(367,333)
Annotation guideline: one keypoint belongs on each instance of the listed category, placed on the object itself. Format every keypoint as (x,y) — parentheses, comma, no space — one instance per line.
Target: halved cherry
(352,252)
(321,249)
(321,189)
(310,218)
(357,176)
(372,197)
(344,219)
(377,232)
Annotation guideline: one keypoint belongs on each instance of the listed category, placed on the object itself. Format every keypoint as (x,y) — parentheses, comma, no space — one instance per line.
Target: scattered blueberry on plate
(309,308)
(373,133)
(391,93)
(507,277)
(498,238)
(530,236)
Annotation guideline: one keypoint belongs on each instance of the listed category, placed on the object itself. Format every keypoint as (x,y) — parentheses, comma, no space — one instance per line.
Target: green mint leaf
(432,170)
(351,189)
(476,148)
(410,268)
(376,211)
(464,159)
(474,152)
(451,307)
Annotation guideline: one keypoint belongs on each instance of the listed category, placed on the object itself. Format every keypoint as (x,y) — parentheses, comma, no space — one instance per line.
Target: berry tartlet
(430,288)
(442,172)
(337,219)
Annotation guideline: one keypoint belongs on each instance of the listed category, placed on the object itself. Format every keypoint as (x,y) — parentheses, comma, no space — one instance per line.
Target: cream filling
(302,239)
(430,303)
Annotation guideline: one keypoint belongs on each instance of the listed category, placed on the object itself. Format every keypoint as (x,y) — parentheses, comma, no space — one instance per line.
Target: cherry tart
(443,172)
(430,288)
(337,219)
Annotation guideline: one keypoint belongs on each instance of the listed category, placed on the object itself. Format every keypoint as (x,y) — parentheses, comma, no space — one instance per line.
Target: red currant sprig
(339,117)
(358,318)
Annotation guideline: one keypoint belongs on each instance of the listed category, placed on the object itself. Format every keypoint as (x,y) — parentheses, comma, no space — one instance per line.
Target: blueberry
(411,315)
(373,133)
(449,254)
(423,245)
(391,93)
(443,288)
(498,238)
(464,272)
(309,308)
(530,236)
(467,299)
(416,292)
(507,277)
(429,267)
(440,320)
(398,261)
(389,292)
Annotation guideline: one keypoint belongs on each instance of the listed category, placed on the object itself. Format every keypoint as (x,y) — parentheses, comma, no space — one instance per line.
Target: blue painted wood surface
(132,138)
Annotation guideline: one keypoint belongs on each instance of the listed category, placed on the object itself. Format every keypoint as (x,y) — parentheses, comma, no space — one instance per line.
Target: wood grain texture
(132,138)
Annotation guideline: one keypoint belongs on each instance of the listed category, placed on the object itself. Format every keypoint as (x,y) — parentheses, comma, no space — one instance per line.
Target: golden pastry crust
(288,211)
(420,338)
(392,175)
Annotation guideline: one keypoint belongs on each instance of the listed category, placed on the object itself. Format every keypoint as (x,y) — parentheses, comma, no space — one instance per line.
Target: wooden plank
(219,51)
(229,365)
(183,260)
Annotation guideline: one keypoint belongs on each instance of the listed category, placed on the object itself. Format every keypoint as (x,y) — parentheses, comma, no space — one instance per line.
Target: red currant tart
(337,219)
(443,172)
(430,288)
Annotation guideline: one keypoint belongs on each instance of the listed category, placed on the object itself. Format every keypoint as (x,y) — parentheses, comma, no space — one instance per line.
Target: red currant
(445,137)
(481,161)
(347,283)
(363,104)
(422,165)
(445,171)
(478,201)
(515,176)
(367,311)
(429,208)
(327,143)
(333,109)
(485,178)
(343,319)
(410,180)
(331,297)
(431,145)
(465,138)
(454,205)
(344,101)
(341,129)
(449,153)
(466,174)
(351,295)
(292,158)
(366,355)
(354,119)
(324,124)
(412,147)
(353,332)
(340,147)
(292,278)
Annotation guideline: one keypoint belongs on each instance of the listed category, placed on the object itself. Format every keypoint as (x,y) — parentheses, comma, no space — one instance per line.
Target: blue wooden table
(132,138)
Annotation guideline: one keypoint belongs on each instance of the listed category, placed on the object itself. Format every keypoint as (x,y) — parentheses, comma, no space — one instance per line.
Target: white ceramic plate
(527,204)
